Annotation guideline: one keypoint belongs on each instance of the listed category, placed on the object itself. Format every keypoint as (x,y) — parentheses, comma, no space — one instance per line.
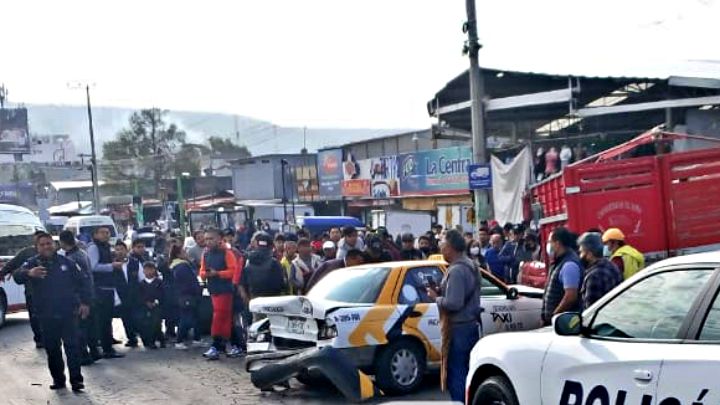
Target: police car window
(489,288)
(418,278)
(654,308)
(711,327)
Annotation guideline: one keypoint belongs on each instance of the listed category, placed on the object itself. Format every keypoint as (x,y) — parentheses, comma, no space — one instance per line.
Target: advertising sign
(356,188)
(378,176)
(306,182)
(437,171)
(330,173)
(479,177)
(14,136)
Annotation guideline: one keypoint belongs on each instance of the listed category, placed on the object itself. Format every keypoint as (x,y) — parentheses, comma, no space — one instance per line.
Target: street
(165,376)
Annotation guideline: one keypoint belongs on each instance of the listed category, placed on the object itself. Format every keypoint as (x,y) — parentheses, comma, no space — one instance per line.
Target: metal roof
(535,99)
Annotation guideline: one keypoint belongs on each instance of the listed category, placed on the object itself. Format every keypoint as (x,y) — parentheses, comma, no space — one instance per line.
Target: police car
(380,316)
(655,339)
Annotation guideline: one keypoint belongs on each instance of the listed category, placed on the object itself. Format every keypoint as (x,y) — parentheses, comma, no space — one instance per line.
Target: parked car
(17,226)
(379,315)
(83,227)
(654,339)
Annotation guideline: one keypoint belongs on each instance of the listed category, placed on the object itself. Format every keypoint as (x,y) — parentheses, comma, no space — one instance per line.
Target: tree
(150,148)
(224,146)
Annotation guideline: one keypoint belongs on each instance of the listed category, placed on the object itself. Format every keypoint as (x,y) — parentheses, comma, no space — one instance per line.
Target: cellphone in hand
(430,282)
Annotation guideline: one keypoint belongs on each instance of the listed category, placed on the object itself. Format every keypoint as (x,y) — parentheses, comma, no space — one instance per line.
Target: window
(489,288)
(654,308)
(711,327)
(417,278)
(352,285)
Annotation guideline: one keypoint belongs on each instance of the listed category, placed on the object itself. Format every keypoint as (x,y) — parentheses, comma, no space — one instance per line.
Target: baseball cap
(328,245)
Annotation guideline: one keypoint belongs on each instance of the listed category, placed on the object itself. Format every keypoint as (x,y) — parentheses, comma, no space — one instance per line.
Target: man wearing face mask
(475,254)
(565,279)
(408,248)
(601,275)
(425,246)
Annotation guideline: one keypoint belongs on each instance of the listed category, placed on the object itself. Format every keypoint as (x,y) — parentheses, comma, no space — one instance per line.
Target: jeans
(59,333)
(187,321)
(462,340)
(87,338)
(151,330)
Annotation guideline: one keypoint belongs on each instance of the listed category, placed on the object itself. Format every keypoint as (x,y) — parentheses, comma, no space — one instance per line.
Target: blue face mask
(606,251)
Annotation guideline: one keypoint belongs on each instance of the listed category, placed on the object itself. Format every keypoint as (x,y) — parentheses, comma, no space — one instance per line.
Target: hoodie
(263,276)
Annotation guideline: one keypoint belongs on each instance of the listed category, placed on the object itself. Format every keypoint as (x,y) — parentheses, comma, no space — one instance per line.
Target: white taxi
(380,316)
(655,339)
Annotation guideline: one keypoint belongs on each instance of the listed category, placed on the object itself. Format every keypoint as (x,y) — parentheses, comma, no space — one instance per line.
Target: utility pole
(477,90)
(283,162)
(93,159)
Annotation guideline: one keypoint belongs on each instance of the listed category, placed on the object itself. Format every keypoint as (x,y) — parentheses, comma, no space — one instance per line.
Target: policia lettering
(573,394)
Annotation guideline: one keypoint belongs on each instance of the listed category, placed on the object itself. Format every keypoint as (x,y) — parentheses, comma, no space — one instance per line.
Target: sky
(331,63)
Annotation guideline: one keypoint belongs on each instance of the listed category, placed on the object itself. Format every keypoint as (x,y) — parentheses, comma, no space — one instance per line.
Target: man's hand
(38,272)
(432,293)
(83,311)
(117,265)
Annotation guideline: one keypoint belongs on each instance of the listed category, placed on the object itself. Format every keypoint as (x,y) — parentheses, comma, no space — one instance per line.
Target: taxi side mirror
(568,324)
(512,293)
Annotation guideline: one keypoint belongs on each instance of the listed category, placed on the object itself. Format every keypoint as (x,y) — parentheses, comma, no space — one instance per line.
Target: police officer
(14,264)
(61,294)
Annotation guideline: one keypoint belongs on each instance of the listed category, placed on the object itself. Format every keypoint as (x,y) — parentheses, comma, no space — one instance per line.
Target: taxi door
(689,373)
(422,318)
(618,359)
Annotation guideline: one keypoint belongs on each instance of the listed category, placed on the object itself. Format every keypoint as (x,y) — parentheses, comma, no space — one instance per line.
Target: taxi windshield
(352,285)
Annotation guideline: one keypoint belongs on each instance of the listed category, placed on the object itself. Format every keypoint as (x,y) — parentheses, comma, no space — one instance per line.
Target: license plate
(296,326)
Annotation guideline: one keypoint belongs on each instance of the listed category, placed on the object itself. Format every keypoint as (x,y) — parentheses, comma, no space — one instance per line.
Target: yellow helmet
(613,234)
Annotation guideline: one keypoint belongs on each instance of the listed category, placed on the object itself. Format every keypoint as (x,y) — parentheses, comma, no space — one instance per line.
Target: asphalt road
(165,376)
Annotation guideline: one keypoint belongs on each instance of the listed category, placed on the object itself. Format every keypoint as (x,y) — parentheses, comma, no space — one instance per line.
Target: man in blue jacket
(61,295)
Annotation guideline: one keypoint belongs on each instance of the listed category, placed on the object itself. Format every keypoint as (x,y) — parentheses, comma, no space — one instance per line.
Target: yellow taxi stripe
(366,386)
(412,327)
(372,324)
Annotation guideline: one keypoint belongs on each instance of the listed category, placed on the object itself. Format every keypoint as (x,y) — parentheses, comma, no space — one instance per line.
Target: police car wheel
(400,368)
(496,390)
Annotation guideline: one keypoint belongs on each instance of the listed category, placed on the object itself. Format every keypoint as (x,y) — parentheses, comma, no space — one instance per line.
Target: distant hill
(257,135)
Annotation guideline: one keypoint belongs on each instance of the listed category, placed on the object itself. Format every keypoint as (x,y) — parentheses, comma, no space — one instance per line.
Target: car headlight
(327,330)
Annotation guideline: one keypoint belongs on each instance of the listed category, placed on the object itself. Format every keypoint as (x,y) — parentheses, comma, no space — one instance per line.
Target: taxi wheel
(496,390)
(400,368)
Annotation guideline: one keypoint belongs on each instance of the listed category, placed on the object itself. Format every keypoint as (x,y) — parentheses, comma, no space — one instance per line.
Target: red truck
(667,204)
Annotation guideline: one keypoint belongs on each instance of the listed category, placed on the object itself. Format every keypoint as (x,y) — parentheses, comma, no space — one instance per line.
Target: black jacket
(59,294)
(263,276)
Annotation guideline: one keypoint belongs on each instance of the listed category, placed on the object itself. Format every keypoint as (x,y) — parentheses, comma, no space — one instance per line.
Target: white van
(17,226)
(83,227)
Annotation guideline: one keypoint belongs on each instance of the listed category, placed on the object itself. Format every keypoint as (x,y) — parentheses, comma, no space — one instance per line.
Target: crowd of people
(75,292)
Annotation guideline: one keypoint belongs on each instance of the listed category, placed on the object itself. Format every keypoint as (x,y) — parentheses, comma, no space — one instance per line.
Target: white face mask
(549,249)
(475,251)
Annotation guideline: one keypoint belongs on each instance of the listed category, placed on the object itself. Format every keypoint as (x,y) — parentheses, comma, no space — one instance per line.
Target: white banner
(509,183)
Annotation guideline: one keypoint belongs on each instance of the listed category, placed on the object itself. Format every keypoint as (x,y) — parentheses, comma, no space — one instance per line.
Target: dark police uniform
(56,301)
(10,267)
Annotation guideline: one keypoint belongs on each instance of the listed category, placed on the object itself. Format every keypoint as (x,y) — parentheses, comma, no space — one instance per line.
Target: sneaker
(181,346)
(212,354)
(235,352)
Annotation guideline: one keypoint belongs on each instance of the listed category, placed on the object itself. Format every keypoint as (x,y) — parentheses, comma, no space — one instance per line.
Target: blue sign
(434,172)
(330,173)
(479,177)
